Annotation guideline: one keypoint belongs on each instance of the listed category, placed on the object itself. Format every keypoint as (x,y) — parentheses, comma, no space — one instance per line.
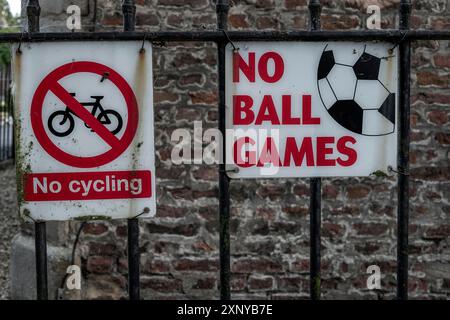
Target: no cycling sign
(83,151)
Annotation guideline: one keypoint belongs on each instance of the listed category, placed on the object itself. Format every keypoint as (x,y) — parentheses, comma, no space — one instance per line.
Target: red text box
(87,185)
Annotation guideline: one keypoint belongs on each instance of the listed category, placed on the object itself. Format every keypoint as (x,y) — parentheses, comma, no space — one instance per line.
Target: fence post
(315,206)
(129,21)
(40,232)
(33,12)
(222,8)
(403,156)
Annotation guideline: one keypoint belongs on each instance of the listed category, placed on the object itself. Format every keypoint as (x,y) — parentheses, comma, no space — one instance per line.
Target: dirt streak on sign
(82,149)
(311,109)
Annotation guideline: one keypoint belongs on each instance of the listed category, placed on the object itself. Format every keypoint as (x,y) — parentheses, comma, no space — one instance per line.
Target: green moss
(93,217)
(379,173)
(317,282)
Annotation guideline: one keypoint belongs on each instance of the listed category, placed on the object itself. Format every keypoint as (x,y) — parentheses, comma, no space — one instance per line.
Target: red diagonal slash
(84,115)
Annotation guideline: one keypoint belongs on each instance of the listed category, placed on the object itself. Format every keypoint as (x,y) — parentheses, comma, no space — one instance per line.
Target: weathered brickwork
(269,218)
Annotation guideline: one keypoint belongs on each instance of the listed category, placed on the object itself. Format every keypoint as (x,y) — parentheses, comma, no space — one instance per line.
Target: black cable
(74,249)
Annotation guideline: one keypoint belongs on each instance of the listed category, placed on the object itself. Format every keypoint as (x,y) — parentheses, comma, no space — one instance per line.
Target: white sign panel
(311,109)
(84,128)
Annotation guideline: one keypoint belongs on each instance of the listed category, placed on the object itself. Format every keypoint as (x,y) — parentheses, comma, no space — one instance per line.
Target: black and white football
(355,87)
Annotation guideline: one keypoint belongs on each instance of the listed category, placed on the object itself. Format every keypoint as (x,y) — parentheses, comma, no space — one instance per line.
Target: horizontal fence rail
(218,36)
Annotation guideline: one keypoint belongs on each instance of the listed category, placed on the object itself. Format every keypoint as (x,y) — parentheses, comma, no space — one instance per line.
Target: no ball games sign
(84,121)
(309,109)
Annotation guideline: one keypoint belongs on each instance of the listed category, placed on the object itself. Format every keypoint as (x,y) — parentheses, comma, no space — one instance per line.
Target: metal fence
(221,37)
(6,115)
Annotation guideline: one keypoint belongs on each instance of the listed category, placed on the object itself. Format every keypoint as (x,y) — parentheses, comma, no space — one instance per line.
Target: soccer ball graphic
(356,88)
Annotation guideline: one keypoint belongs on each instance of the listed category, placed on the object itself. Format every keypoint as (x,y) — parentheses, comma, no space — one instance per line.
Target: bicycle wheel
(64,130)
(115,120)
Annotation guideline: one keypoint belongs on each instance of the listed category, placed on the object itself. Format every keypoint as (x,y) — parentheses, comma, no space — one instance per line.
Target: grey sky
(14,6)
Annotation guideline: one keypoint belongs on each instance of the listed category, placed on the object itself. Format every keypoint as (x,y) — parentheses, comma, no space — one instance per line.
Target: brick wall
(269,218)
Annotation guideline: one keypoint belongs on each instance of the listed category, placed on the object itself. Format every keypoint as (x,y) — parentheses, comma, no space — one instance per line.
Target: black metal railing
(221,37)
(6,114)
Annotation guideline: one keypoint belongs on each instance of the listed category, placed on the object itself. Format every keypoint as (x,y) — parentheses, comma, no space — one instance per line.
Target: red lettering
(269,153)
(286,110)
(305,151)
(242,104)
(250,156)
(240,65)
(263,67)
(267,111)
(306,111)
(349,152)
(323,151)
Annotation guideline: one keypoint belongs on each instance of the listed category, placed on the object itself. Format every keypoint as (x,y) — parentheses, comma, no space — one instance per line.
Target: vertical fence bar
(41,260)
(222,8)
(403,156)
(129,21)
(40,233)
(3,145)
(10,114)
(315,195)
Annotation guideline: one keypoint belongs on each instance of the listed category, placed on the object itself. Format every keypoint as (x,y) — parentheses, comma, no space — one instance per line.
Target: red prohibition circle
(50,82)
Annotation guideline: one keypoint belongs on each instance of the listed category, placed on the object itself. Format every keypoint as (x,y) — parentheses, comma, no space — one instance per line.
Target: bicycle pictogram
(61,123)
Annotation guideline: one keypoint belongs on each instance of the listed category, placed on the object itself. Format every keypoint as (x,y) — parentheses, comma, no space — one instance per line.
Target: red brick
(296,210)
(206,173)
(195,4)
(332,229)
(205,284)
(441,60)
(187,230)
(157,266)
(191,79)
(162,284)
(301,190)
(265,4)
(363,4)
(438,232)
(121,231)
(367,248)
(440,23)
(94,228)
(175,20)
(330,192)
(100,264)
(211,193)
(171,211)
(442,137)
(339,22)
(102,249)
(357,192)
(260,283)
(204,265)
(370,229)
(432,98)
(271,191)
(431,173)
(238,21)
(146,19)
(250,265)
(300,265)
(165,97)
(238,282)
(203,97)
(294,4)
(429,78)
(346,210)
(266,23)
